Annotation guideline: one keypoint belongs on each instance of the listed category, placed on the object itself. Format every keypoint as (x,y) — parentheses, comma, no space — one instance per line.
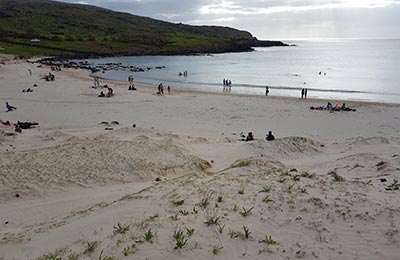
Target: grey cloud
(275,18)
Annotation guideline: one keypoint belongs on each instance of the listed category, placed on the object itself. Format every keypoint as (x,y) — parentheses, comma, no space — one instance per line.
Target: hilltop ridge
(76,29)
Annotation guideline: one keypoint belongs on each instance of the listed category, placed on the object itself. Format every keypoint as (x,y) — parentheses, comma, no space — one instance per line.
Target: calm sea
(335,69)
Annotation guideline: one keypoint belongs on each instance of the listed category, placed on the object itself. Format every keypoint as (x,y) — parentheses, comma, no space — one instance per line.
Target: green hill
(78,30)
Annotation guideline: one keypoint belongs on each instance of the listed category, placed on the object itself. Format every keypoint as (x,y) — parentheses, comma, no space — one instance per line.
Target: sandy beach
(143,176)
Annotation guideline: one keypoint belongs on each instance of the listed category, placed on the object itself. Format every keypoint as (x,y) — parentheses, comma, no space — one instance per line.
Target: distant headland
(48,28)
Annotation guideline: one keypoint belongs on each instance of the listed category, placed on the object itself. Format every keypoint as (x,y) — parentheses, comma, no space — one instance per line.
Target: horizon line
(324,38)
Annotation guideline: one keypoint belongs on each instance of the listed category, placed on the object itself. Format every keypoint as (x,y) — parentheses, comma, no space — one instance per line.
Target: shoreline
(340,90)
(148,87)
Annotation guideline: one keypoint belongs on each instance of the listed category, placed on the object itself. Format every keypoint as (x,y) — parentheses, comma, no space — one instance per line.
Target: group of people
(24,125)
(332,108)
(304,93)
(227,82)
(160,89)
(185,73)
(20,125)
(109,94)
(250,136)
(27,90)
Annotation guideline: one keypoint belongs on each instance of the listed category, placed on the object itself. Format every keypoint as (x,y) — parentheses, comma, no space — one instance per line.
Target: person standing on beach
(266,90)
(302,93)
(169,89)
(30,72)
(305,93)
(160,89)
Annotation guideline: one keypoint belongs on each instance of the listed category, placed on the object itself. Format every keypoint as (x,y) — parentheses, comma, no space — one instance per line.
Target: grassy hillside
(71,29)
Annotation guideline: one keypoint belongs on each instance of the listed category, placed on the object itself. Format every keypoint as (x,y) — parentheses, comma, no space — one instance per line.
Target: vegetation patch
(336,177)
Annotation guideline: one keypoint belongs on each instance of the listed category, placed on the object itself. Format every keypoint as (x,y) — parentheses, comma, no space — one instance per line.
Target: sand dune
(287,217)
(84,162)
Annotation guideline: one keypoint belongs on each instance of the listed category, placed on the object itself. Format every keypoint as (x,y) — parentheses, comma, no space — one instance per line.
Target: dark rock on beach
(60,62)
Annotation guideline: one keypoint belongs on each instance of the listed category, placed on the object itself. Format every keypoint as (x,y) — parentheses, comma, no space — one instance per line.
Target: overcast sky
(274,19)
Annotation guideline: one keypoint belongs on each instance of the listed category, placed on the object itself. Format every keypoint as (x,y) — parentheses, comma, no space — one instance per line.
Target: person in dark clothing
(266,90)
(270,136)
(9,107)
(250,137)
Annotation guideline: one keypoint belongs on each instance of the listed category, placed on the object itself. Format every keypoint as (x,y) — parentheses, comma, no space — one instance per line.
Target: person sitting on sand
(250,137)
(18,129)
(102,94)
(270,136)
(336,108)
(9,107)
(329,106)
(317,108)
(345,108)
(110,92)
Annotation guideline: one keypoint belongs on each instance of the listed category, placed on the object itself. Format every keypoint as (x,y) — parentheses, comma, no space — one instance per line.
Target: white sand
(76,180)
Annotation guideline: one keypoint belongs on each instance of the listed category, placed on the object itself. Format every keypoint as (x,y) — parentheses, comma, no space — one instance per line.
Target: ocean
(367,70)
